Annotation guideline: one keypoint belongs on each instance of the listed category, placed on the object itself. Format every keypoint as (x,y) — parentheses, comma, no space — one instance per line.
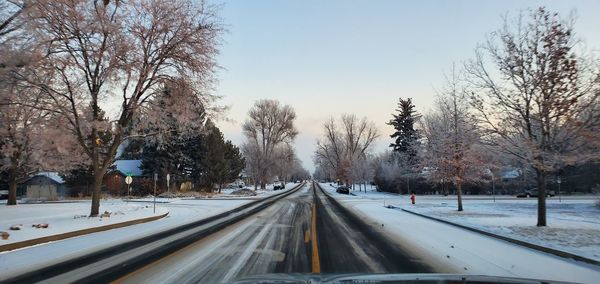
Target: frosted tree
(117,56)
(269,126)
(537,96)
(452,147)
(343,143)
(286,161)
(31,139)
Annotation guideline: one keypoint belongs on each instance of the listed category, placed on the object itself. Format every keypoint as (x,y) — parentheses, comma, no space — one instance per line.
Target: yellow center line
(316,265)
(306,236)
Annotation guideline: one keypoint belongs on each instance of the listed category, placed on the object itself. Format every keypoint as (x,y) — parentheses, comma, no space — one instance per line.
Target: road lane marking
(316,265)
(306,236)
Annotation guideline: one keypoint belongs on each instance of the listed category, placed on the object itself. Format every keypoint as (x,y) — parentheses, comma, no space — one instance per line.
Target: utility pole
(155,179)
(493,188)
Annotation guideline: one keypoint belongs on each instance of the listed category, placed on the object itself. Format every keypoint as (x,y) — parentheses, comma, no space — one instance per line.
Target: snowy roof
(514,173)
(51,175)
(129,167)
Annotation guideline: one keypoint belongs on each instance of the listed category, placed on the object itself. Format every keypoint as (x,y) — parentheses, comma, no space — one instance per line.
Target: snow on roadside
(573,225)
(66,217)
(453,250)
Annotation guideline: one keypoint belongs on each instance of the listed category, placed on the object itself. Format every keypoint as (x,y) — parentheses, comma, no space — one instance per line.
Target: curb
(58,237)
(510,240)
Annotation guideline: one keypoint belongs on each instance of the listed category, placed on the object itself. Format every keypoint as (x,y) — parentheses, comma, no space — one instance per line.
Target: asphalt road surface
(302,233)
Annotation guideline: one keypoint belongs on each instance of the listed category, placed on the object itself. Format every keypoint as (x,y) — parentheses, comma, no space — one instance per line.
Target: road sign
(128,180)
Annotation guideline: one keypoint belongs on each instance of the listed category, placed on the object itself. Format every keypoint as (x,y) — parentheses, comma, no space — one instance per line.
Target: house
(114,180)
(45,186)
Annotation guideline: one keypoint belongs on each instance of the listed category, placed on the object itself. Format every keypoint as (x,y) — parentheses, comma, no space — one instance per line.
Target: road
(302,233)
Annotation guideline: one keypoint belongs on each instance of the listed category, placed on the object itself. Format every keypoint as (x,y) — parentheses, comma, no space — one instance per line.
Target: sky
(326,57)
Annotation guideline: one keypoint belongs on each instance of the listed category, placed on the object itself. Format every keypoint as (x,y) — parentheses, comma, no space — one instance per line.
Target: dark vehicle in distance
(279,186)
(343,189)
(534,193)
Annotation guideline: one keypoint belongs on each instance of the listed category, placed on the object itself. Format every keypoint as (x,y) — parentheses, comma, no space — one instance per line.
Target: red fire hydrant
(413,198)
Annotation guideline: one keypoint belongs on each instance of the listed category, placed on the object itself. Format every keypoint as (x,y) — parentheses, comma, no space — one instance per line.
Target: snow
(66,217)
(454,250)
(51,175)
(181,211)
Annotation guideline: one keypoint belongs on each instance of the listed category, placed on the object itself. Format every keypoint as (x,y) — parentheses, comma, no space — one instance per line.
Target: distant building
(44,186)
(115,179)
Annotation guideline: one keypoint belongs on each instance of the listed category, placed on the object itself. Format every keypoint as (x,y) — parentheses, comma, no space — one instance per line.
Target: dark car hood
(385,278)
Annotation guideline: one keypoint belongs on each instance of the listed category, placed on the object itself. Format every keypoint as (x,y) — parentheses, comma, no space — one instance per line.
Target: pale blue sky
(326,58)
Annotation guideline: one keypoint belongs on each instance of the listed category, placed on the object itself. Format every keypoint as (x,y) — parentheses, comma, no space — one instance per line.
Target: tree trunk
(541,183)
(263,185)
(12,187)
(98,175)
(459,196)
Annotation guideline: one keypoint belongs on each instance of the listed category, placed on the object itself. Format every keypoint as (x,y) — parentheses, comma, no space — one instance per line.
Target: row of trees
(342,152)
(529,98)
(84,77)
(268,150)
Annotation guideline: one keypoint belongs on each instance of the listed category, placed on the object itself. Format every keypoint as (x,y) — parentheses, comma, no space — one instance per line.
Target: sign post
(128,181)
(559,181)
(168,179)
(155,179)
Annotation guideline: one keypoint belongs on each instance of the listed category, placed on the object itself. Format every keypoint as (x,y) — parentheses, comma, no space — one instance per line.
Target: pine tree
(406,136)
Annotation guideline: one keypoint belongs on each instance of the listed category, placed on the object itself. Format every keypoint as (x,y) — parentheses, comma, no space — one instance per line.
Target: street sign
(128,180)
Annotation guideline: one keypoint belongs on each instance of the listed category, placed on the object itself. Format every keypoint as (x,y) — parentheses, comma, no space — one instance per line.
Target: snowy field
(66,217)
(573,225)
(455,250)
(181,211)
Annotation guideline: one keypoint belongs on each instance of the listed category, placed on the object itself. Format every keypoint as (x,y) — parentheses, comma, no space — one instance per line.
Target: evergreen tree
(235,161)
(221,161)
(406,135)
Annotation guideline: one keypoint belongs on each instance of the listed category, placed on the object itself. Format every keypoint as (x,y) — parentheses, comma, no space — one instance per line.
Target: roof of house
(53,176)
(129,167)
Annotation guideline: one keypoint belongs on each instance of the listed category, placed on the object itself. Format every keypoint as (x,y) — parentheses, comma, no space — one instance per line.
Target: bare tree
(345,144)
(537,97)
(120,54)
(452,149)
(269,125)
(10,18)
(286,161)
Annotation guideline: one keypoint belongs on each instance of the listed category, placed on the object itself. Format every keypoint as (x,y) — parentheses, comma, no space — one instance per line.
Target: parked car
(3,194)
(279,186)
(534,193)
(343,190)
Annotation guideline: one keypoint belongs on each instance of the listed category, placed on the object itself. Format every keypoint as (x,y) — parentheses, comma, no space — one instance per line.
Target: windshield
(230,141)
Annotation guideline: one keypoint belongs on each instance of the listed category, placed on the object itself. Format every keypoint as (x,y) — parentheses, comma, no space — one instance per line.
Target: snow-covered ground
(181,211)
(66,217)
(456,250)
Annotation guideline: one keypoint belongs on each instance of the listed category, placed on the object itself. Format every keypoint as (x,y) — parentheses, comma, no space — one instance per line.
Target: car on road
(534,193)
(343,189)
(279,186)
